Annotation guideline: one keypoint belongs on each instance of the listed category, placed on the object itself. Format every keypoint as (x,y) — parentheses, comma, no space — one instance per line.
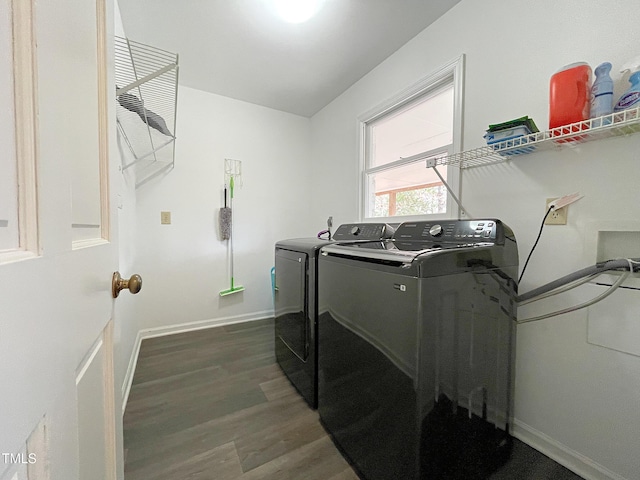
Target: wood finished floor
(214,405)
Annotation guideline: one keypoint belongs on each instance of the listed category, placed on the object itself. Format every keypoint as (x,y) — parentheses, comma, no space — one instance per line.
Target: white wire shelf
(612,125)
(147,95)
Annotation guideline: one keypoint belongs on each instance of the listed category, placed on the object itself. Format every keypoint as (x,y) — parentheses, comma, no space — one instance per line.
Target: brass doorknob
(134,284)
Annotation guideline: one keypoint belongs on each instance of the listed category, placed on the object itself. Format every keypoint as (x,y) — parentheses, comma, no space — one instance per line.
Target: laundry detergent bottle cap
(630,98)
(602,91)
(570,95)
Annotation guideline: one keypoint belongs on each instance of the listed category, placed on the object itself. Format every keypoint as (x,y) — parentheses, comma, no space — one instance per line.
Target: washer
(295,297)
(417,344)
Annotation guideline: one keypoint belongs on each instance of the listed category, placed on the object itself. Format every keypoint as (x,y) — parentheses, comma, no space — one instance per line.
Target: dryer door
(291,303)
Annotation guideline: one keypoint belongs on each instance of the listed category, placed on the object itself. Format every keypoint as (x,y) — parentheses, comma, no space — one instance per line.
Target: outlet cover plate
(556,217)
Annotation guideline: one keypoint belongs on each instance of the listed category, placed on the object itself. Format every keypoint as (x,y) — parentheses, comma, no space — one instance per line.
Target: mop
(228,226)
(225,219)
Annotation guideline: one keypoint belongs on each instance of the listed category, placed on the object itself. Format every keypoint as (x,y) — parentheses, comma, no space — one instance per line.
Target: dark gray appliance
(417,346)
(296,300)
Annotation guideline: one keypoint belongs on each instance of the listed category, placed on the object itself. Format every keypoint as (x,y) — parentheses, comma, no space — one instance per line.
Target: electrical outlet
(557,216)
(165,218)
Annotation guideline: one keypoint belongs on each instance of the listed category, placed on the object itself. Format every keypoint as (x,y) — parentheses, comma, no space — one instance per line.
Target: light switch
(165,218)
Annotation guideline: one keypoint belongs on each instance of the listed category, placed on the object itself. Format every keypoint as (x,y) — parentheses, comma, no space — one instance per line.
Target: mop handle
(231,185)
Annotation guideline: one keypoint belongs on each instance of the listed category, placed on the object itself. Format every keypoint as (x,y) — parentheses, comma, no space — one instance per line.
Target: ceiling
(241,49)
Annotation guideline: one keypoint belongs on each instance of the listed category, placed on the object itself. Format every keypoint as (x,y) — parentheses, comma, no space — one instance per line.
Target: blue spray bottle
(602,92)
(630,98)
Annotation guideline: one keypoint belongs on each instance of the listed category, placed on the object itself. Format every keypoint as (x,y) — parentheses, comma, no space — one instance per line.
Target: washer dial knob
(355,230)
(435,230)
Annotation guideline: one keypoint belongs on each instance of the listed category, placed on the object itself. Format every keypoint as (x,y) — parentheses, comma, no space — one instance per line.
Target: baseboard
(179,328)
(131,368)
(565,456)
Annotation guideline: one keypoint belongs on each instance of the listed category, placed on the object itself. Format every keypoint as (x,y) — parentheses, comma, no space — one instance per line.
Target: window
(398,137)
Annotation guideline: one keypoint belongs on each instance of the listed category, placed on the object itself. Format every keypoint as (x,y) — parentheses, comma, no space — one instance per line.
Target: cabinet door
(291,309)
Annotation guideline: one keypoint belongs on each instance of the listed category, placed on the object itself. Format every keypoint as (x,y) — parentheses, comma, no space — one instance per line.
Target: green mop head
(233,289)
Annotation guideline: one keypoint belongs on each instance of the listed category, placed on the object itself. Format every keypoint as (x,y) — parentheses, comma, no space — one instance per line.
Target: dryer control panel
(452,231)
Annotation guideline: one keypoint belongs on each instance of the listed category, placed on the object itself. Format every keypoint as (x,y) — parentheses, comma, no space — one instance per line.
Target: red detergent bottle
(569,96)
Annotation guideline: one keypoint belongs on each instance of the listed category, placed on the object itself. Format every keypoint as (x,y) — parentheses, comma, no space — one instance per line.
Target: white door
(59,418)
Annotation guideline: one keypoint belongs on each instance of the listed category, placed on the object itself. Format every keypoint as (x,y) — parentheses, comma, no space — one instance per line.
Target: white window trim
(26,135)
(453,70)
(103,133)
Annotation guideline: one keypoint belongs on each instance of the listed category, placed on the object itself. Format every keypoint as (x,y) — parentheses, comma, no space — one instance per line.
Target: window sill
(409,218)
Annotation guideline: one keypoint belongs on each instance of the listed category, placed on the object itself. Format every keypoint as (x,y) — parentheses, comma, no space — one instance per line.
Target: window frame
(26,130)
(91,235)
(452,73)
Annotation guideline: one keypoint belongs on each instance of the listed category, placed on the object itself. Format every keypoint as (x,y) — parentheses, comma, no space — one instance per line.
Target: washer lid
(390,251)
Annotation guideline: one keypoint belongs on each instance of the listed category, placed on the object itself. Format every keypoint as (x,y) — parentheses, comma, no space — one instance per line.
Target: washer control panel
(435,230)
(451,231)
(363,231)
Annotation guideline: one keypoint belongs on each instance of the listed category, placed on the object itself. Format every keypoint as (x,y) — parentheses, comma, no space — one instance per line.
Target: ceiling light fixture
(297,11)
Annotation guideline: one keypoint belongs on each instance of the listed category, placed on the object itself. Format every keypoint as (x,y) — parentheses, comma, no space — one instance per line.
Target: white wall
(575,399)
(184,265)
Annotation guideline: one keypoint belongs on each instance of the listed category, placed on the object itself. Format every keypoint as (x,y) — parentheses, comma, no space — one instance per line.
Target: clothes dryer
(296,300)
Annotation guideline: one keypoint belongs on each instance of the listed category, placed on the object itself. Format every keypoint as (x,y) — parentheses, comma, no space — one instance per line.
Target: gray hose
(572,277)
(602,296)
(565,288)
